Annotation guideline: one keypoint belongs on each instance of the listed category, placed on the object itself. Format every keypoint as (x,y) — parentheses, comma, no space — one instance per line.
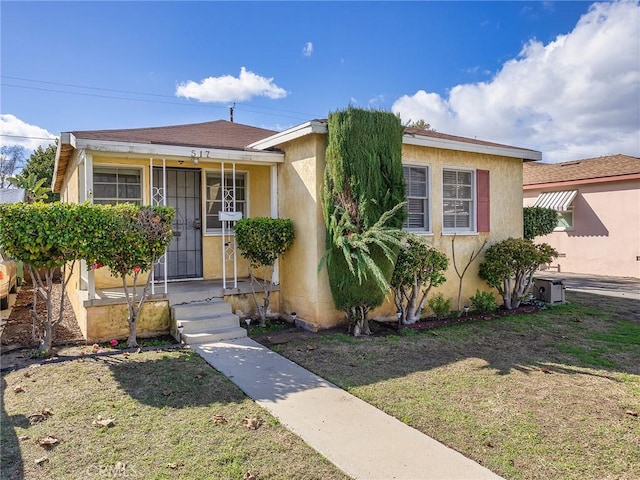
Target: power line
(251,106)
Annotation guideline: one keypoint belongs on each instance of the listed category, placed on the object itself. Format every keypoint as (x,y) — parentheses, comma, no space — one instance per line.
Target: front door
(182,192)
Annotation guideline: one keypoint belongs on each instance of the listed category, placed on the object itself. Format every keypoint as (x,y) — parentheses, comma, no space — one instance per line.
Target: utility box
(549,290)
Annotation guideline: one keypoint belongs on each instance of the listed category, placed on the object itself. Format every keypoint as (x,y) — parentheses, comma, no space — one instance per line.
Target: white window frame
(205,198)
(563,214)
(427,200)
(99,166)
(473,201)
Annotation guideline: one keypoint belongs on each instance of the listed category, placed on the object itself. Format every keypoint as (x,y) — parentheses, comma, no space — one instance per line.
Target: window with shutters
(416,180)
(113,185)
(458,200)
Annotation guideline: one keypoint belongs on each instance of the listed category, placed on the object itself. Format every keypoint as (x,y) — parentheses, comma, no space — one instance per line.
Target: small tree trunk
(132,340)
(412,314)
(506,296)
(359,320)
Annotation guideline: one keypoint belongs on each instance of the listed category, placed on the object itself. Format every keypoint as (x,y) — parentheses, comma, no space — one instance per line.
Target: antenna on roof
(231,109)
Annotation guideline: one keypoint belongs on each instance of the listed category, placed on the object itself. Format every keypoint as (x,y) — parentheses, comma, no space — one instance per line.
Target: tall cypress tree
(362,199)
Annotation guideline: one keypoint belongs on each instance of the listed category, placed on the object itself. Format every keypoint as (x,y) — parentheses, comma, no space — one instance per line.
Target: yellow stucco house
(216,172)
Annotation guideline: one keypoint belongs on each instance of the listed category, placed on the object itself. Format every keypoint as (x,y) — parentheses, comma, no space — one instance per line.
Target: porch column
(275,277)
(85,193)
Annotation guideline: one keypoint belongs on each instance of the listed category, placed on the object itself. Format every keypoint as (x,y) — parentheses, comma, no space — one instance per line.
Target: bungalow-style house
(216,172)
(598,204)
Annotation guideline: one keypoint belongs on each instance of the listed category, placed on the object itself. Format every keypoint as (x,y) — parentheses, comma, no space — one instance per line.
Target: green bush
(419,268)
(539,221)
(362,199)
(509,266)
(483,302)
(439,305)
(261,240)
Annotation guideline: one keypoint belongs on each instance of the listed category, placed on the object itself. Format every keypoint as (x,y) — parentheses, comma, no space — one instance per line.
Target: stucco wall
(303,289)
(605,239)
(106,322)
(306,291)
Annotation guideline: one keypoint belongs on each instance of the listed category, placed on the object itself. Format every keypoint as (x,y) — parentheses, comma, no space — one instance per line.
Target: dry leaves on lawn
(48,442)
(104,422)
(252,423)
(40,416)
(219,419)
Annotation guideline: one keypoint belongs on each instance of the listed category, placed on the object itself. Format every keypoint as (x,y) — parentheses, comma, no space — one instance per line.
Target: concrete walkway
(359,439)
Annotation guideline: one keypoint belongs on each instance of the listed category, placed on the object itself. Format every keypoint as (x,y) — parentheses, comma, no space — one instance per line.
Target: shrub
(539,221)
(509,266)
(419,268)
(483,302)
(363,195)
(439,305)
(262,240)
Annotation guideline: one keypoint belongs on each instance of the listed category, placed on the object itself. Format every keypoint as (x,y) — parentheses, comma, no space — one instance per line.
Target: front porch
(205,308)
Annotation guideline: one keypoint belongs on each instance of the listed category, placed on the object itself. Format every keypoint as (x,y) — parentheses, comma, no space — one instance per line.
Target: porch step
(206,321)
(218,335)
(200,309)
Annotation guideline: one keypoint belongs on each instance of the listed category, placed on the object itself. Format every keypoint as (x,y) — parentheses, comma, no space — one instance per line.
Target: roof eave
(315,126)
(447,144)
(154,149)
(293,133)
(65,149)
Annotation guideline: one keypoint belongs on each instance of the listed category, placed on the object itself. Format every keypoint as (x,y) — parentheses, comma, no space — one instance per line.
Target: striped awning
(560,201)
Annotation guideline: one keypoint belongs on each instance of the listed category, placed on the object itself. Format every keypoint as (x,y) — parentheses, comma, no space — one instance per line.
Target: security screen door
(182,191)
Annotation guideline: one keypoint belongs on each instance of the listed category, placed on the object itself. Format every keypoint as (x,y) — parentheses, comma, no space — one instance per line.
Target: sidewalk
(361,440)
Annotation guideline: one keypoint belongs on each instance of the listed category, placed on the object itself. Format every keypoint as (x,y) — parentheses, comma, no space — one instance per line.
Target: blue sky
(560,77)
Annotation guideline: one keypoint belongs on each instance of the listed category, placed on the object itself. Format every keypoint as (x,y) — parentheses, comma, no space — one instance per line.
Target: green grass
(532,396)
(163,406)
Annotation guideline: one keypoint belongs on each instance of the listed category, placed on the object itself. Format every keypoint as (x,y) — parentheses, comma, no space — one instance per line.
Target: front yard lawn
(165,415)
(554,394)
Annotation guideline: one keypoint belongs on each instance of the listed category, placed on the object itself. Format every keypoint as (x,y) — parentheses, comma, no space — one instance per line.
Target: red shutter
(484,206)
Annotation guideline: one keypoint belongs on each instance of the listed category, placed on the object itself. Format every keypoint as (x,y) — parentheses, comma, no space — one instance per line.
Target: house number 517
(200,154)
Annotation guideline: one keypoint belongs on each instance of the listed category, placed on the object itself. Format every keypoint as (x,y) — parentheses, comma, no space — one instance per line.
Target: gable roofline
(222,140)
(412,136)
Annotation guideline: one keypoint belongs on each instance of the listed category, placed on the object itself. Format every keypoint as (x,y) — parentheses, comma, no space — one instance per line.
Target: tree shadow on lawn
(575,338)
(10,458)
(175,381)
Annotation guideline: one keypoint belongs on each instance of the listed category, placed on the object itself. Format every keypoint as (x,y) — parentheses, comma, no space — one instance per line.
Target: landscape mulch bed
(501,312)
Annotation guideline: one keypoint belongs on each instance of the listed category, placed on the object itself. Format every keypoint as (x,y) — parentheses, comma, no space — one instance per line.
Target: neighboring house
(598,204)
(217,172)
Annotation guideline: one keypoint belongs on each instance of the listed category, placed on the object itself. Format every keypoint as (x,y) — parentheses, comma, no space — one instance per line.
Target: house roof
(217,134)
(412,136)
(535,173)
(225,135)
(455,138)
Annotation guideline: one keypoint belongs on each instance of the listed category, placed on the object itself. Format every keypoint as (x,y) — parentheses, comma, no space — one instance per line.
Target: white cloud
(576,97)
(230,89)
(377,100)
(16,132)
(308,49)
